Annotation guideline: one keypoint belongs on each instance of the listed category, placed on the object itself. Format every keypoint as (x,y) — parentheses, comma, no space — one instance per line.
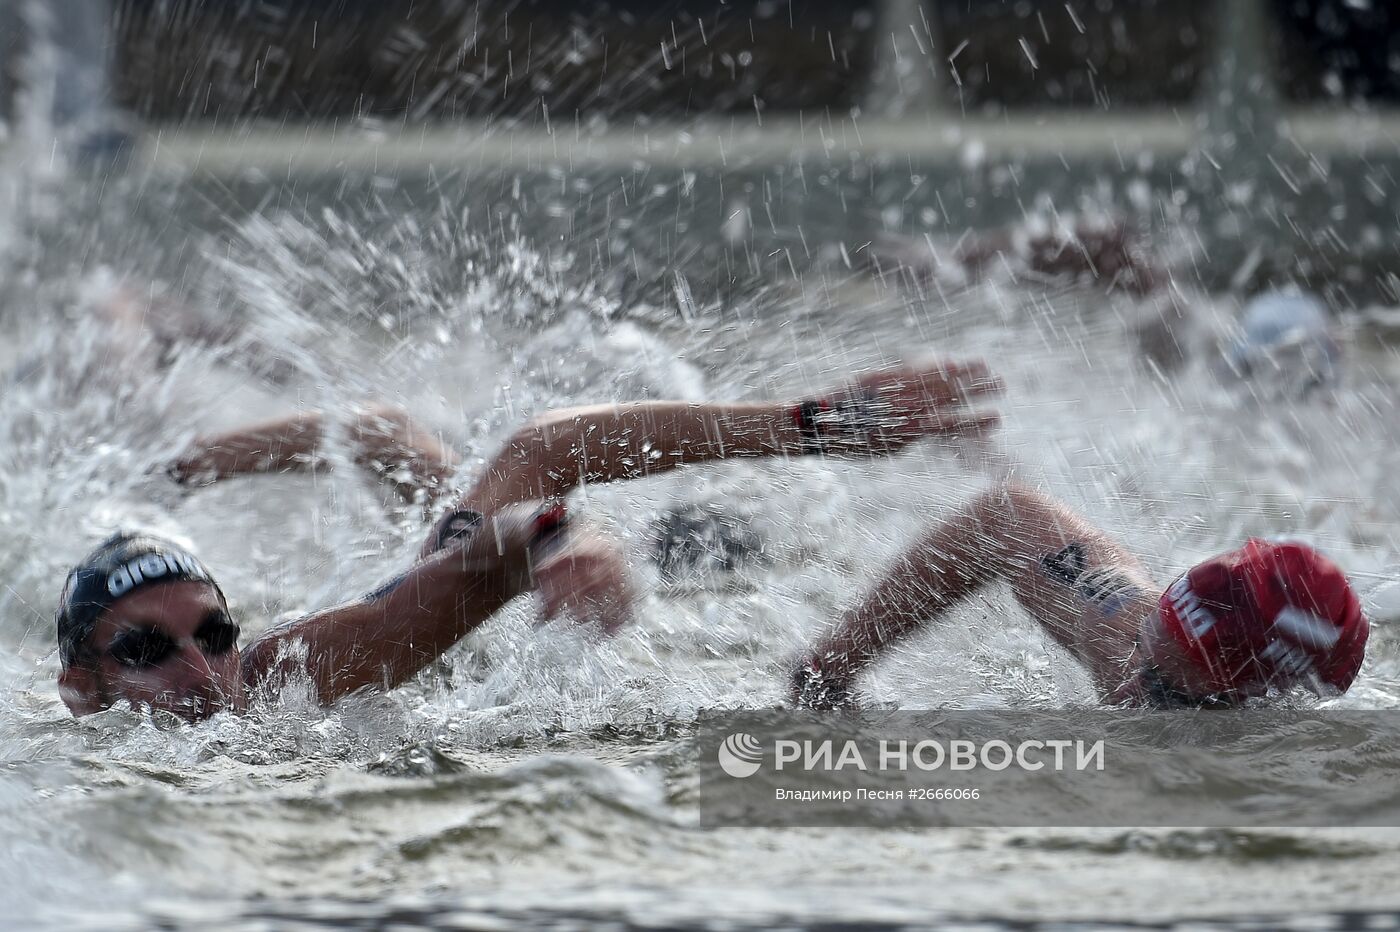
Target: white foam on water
(440,785)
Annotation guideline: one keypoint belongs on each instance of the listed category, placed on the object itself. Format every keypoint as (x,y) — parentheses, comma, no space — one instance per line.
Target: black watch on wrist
(460,525)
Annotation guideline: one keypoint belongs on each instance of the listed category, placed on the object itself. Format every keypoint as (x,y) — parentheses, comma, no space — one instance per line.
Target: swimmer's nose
(198,688)
(194,660)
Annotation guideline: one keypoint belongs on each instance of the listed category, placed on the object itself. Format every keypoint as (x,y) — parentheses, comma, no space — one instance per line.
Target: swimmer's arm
(1006,534)
(386,637)
(382,439)
(957,558)
(558,451)
(563,449)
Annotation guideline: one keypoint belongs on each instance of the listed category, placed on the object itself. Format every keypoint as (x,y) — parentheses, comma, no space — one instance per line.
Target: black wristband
(459,525)
(849,421)
(805,417)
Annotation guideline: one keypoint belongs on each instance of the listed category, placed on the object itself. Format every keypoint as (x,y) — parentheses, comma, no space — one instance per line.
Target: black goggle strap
(1164,694)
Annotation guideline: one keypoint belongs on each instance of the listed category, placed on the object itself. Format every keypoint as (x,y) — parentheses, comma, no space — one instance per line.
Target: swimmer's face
(170,647)
(1161,650)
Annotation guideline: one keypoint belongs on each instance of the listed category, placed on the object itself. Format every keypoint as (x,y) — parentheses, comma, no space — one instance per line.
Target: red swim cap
(1278,613)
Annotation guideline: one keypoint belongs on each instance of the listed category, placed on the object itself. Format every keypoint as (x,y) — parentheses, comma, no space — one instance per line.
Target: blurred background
(1254,114)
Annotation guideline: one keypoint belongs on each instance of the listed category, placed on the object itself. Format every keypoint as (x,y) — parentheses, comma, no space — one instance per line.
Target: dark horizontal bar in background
(1136,53)
(234,60)
(1078,54)
(1330,49)
(317,59)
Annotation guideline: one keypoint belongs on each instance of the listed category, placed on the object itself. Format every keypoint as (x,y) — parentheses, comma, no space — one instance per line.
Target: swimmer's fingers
(595,603)
(587,580)
(605,600)
(612,608)
(953,383)
(570,586)
(950,399)
(931,385)
(193,469)
(882,412)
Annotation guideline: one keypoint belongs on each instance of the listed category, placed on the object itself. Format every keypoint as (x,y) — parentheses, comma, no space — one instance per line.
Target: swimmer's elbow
(1014,498)
(998,512)
(536,434)
(1022,497)
(530,464)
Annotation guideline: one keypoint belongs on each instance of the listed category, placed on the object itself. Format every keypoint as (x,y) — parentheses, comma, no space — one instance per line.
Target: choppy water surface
(536,775)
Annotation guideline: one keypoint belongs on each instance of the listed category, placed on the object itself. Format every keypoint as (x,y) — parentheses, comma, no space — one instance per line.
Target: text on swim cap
(1303,627)
(1287,660)
(1196,617)
(151,566)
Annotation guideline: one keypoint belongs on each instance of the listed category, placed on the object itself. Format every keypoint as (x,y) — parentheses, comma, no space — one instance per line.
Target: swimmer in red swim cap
(1265,618)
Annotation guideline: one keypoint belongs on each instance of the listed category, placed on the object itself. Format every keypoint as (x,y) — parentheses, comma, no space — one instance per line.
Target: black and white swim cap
(120,565)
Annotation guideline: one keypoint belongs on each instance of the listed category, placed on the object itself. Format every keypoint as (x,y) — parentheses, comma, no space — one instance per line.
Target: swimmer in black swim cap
(142,620)
(165,640)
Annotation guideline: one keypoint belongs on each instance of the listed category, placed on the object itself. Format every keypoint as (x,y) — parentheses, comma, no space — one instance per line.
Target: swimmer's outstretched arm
(387,636)
(1079,583)
(877,414)
(382,439)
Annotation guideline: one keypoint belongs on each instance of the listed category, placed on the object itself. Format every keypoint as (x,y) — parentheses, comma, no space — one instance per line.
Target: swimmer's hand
(195,467)
(884,411)
(208,460)
(584,575)
(812,688)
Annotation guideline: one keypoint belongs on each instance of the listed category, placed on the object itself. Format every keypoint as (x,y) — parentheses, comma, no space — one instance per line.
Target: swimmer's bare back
(1088,592)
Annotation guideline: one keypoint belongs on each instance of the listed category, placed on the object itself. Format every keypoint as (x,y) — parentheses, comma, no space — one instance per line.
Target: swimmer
(1100,251)
(877,414)
(1268,616)
(1284,345)
(142,620)
(139,330)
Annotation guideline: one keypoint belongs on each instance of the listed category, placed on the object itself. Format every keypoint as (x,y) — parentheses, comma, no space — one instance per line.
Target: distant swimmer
(1284,340)
(1103,252)
(1267,617)
(1096,250)
(142,620)
(1283,345)
(134,330)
